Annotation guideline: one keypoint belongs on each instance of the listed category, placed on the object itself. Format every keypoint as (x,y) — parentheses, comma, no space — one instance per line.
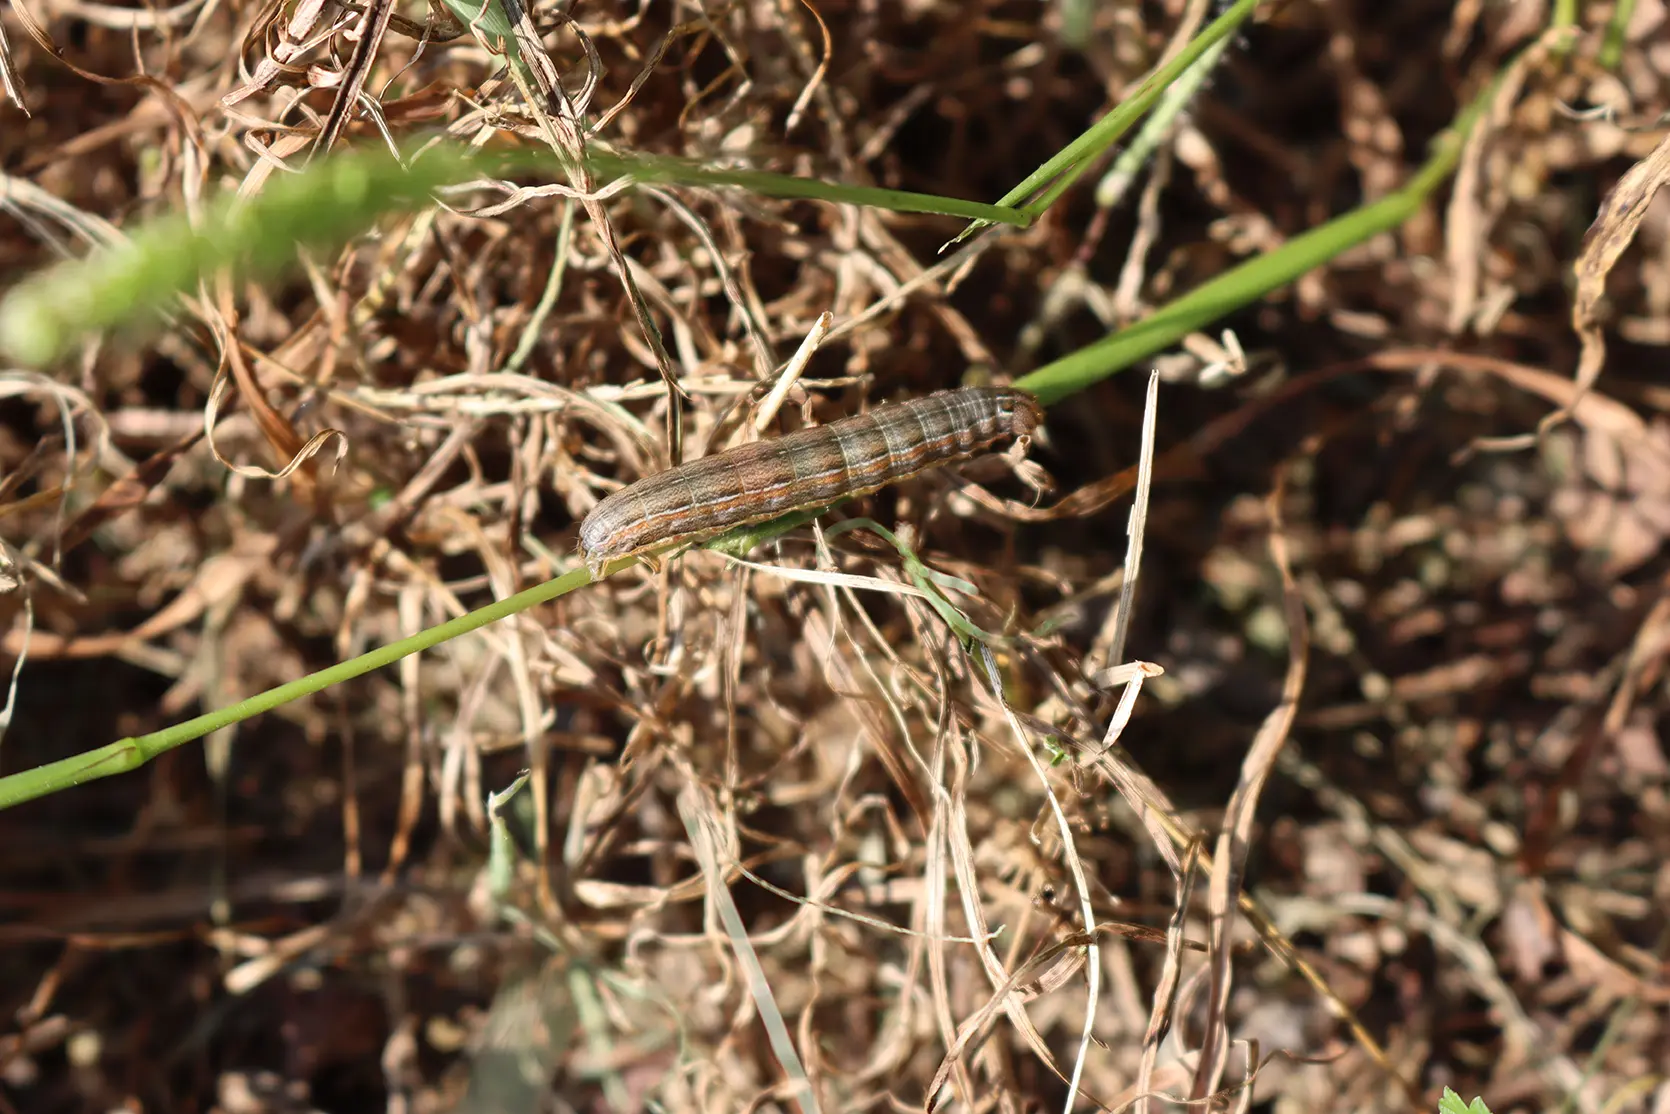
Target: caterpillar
(809,468)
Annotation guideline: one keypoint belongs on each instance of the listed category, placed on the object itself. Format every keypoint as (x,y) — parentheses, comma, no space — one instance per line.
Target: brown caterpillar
(808,468)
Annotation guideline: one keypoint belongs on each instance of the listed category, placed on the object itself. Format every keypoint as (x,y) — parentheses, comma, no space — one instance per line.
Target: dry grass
(1394,817)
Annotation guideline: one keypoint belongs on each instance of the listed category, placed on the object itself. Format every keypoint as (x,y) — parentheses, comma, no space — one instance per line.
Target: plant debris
(1355,798)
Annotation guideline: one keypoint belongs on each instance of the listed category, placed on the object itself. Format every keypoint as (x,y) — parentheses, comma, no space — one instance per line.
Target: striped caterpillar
(809,468)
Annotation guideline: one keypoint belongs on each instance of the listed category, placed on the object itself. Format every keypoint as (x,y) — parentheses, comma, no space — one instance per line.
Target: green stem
(1256,277)
(131,753)
(1070,163)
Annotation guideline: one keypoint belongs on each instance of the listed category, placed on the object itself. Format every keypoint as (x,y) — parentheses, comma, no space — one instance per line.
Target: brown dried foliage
(1452,826)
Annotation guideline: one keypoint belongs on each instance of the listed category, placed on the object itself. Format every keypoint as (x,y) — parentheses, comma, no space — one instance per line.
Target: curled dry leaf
(1612,231)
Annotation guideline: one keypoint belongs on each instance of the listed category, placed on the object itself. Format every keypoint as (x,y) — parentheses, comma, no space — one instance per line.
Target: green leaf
(1451,1103)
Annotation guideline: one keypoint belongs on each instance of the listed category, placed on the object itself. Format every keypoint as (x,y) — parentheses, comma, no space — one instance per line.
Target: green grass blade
(743,540)
(928,582)
(327,204)
(332,200)
(502,853)
(488,19)
(1068,164)
(661,169)
(1256,277)
(131,753)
